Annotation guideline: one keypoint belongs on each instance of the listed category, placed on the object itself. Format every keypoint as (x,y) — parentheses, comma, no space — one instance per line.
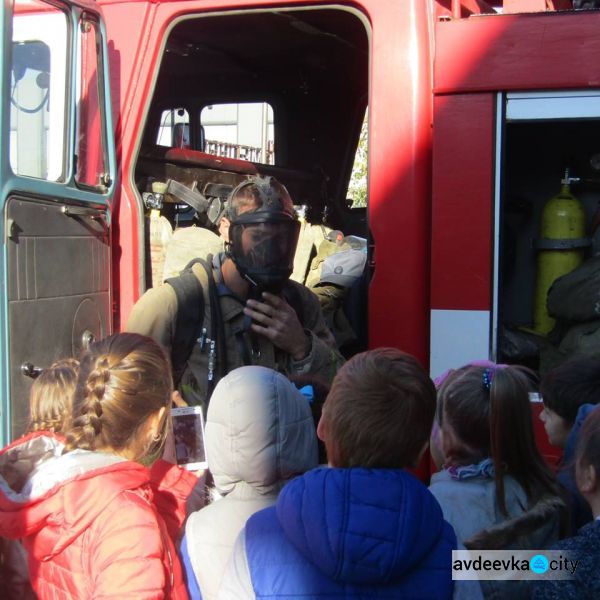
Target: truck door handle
(98,214)
(29,370)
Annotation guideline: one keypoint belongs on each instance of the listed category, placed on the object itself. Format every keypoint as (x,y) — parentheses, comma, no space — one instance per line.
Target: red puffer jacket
(91,522)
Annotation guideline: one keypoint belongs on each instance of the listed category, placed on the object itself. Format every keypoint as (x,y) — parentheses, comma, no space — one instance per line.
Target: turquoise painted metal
(5,34)
(66,190)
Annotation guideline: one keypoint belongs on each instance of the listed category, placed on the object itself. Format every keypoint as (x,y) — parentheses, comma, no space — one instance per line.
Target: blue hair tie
(487,377)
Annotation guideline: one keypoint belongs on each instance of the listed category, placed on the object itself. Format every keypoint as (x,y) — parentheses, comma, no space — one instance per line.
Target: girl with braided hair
(95,520)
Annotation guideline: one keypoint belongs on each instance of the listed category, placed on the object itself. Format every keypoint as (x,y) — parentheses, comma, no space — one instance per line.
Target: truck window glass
(90,143)
(357,189)
(243,131)
(38,90)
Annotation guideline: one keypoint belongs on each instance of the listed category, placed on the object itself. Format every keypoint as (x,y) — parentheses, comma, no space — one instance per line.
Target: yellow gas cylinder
(560,249)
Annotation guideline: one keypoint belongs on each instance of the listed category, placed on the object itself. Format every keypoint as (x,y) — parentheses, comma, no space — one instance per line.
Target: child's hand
(178,400)
(197,499)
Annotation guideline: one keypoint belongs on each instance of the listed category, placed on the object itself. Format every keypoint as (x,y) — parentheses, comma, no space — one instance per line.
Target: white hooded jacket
(259,434)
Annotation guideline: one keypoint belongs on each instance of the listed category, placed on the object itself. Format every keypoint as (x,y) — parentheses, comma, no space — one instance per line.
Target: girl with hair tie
(495,488)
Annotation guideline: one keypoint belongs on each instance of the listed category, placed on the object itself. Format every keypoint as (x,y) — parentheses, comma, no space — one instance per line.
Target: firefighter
(239,307)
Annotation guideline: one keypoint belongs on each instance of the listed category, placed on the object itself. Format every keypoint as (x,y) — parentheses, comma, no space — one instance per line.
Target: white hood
(259,430)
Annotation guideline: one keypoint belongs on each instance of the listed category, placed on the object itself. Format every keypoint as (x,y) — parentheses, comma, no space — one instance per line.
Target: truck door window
(174,129)
(357,189)
(243,131)
(38,90)
(90,144)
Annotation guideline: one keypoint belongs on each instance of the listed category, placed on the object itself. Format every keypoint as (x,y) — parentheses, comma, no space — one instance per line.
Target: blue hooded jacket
(368,533)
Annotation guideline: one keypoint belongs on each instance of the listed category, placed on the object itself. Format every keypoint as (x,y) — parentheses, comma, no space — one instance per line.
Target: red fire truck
(475,111)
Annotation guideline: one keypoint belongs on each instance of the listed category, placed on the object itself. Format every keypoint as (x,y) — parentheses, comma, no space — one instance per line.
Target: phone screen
(188,434)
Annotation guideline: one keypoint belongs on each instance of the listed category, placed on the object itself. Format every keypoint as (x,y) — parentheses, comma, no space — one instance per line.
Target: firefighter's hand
(277,320)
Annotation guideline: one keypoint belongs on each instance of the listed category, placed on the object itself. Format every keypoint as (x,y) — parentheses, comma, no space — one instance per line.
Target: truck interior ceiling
(540,325)
(270,92)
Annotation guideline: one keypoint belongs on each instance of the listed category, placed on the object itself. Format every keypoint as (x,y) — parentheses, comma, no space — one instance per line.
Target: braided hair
(51,396)
(123,380)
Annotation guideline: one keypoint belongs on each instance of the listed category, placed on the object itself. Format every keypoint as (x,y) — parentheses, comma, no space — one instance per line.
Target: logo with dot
(539,564)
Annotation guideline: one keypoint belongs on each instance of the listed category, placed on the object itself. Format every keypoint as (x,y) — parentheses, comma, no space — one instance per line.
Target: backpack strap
(190,317)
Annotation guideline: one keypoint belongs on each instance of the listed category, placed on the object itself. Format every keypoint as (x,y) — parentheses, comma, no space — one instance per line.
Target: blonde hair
(51,396)
(123,380)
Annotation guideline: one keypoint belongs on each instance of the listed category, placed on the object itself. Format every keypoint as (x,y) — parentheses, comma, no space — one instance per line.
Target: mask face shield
(263,249)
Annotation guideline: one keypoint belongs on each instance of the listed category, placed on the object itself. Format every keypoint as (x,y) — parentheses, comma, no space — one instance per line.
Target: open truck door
(57,170)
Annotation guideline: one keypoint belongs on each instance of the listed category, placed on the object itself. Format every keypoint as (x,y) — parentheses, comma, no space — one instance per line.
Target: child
(259,434)
(435,448)
(364,526)
(585,546)
(51,396)
(50,402)
(495,490)
(85,508)
(570,392)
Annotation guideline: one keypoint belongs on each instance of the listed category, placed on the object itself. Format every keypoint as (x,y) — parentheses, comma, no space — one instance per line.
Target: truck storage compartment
(548,139)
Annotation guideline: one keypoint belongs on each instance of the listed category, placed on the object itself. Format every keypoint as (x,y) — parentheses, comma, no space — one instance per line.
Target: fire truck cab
(475,111)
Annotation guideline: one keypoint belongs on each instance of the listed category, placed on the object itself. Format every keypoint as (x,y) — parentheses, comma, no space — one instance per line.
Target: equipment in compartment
(547,241)
(560,248)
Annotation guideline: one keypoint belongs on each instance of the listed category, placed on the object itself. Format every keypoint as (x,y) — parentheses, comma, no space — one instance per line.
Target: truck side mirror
(33,55)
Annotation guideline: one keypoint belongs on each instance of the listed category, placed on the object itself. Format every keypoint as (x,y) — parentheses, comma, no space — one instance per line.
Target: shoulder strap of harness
(190,316)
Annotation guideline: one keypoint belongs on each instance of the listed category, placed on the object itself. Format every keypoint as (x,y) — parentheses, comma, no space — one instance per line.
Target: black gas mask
(263,238)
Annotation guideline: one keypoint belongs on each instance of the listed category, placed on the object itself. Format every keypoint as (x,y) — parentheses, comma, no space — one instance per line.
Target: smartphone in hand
(188,434)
